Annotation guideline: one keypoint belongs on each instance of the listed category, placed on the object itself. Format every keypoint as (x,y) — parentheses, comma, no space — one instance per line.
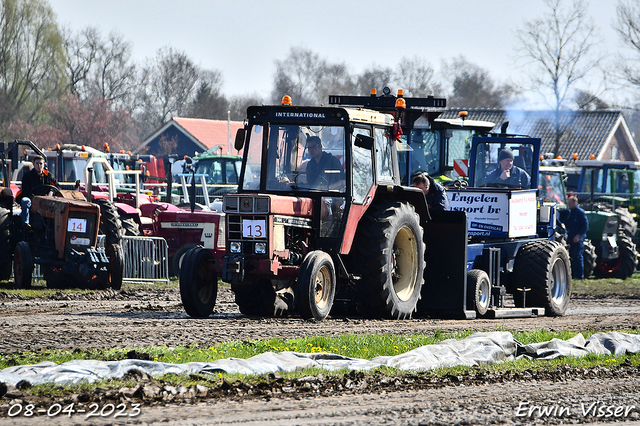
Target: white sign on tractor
(496,213)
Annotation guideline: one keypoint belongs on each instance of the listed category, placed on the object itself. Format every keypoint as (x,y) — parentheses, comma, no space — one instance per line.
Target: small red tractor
(62,238)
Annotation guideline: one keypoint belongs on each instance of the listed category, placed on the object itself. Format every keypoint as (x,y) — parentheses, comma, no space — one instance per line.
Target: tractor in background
(62,238)
(608,192)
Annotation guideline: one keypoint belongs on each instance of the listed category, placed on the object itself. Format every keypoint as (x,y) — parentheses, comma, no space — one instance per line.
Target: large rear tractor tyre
(198,283)
(22,265)
(388,253)
(590,258)
(622,267)
(545,269)
(6,251)
(256,298)
(316,286)
(478,291)
(627,223)
(178,258)
(110,225)
(115,268)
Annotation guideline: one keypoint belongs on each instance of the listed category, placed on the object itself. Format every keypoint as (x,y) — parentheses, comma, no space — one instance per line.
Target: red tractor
(62,238)
(300,236)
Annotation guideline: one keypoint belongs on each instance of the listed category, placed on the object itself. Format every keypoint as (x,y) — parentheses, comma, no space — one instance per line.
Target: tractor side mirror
(239,142)
(363,141)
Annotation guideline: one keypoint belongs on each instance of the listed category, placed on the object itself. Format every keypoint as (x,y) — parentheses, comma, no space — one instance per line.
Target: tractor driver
(31,180)
(507,173)
(323,169)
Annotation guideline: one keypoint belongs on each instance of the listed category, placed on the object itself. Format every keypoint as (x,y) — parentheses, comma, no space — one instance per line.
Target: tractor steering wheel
(45,189)
(320,181)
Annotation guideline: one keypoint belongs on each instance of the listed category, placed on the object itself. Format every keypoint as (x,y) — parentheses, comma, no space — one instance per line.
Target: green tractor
(608,192)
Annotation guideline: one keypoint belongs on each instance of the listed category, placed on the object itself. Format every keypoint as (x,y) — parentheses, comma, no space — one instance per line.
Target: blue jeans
(26,205)
(576,251)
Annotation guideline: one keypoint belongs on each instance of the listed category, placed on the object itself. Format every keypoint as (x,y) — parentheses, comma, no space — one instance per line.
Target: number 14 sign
(77,225)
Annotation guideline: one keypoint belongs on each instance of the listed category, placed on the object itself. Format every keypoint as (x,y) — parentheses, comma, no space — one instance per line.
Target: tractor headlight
(235,247)
(261,248)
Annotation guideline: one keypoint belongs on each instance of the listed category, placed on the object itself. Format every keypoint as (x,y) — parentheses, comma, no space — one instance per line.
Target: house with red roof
(188,136)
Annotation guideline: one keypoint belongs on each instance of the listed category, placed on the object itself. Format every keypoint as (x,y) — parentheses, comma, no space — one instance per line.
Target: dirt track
(147,317)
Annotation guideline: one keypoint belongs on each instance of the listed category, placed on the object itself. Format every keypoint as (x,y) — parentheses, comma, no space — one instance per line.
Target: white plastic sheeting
(477,349)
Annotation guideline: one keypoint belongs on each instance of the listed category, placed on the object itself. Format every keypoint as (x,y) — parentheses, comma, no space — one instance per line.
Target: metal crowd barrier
(146,259)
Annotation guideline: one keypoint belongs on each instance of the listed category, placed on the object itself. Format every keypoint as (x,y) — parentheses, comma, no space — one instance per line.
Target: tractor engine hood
(269,204)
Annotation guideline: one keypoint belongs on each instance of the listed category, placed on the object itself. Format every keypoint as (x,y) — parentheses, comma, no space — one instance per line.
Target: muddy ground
(147,317)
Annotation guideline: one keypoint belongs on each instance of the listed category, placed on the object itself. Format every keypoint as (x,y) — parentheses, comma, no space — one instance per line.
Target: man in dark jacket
(35,178)
(436,194)
(508,174)
(577,226)
(323,169)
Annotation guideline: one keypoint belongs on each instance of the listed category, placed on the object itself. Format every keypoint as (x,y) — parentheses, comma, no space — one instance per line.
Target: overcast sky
(242,38)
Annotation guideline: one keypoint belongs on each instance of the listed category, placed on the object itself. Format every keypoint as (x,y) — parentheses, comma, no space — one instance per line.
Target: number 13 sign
(254,228)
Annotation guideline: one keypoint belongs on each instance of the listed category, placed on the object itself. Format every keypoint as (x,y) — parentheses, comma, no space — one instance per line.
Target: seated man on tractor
(507,173)
(40,180)
(323,170)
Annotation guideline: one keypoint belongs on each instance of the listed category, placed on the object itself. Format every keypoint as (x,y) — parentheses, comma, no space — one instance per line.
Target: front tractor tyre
(316,286)
(198,283)
(22,265)
(115,268)
(478,291)
(388,253)
(545,269)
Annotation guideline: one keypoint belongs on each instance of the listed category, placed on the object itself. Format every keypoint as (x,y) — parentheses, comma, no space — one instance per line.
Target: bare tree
(31,58)
(238,105)
(115,75)
(81,51)
(209,102)
(169,82)
(416,77)
(587,101)
(560,49)
(374,77)
(628,28)
(472,87)
(310,79)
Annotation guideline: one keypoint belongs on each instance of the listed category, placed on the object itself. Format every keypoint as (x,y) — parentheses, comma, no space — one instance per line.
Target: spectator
(577,226)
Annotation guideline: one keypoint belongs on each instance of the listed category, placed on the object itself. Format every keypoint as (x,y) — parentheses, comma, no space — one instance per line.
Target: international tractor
(304,237)
(62,237)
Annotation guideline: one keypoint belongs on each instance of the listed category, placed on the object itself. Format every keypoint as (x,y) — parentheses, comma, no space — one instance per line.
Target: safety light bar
(286,100)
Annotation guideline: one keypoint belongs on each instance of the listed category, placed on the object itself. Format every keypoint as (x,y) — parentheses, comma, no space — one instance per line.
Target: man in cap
(323,169)
(507,173)
(436,194)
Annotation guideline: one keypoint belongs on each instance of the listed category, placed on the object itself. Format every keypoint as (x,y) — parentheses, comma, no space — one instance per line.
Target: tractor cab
(440,147)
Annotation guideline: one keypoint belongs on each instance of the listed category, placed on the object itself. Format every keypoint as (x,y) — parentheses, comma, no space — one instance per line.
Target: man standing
(435,193)
(34,178)
(577,226)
